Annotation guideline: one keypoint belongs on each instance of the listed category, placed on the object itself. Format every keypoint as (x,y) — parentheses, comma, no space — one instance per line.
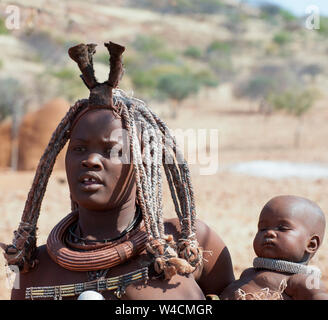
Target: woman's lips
(90,181)
(90,187)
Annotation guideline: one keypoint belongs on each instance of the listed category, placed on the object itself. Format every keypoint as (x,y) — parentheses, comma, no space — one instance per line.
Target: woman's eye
(114,152)
(79,149)
(108,152)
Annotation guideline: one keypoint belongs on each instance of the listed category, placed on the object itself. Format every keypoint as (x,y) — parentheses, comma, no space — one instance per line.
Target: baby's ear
(313,244)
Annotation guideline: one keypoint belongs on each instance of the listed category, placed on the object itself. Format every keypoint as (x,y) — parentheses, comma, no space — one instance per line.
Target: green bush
(219,47)
(286,15)
(177,86)
(274,14)
(144,80)
(148,44)
(193,52)
(294,101)
(181,6)
(206,78)
(165,55)
(3,28)
(323,29)
(159,72)
(267,80)
(282,38)
(258,87)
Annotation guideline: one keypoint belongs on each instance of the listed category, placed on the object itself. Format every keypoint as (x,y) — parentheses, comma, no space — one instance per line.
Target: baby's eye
(283,228)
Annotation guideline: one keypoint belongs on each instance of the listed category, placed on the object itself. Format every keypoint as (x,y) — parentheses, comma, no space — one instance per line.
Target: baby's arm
(231,291)
(305,287)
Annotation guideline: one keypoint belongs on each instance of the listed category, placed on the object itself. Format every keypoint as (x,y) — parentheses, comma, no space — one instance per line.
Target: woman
(116,241)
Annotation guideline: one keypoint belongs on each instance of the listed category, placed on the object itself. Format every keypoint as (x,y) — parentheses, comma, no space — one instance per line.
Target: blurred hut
(34,134)
(5,143)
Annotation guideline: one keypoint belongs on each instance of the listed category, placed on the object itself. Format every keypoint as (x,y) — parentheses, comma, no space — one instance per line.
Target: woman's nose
(93,161)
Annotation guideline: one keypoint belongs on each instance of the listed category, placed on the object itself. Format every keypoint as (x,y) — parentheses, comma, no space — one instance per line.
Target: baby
(290,231)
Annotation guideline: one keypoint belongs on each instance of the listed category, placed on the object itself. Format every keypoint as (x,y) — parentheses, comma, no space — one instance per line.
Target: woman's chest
(132,281)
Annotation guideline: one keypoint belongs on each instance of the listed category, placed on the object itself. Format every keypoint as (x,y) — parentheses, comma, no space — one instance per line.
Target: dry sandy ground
(229,203)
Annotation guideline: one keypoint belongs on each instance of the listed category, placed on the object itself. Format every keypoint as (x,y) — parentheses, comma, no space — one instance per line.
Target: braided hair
(159,150)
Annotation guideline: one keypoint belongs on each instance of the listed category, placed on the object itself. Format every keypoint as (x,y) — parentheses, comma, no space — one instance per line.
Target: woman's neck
(99,225)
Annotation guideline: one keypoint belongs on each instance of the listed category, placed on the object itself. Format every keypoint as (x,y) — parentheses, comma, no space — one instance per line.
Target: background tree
(12,105)
(177,87)
(265,81)
(295,102)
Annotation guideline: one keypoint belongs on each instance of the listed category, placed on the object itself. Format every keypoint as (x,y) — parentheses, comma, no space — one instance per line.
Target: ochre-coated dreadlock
(159,149)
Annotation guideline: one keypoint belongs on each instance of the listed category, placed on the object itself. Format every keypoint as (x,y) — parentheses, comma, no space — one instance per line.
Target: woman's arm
(23,281)
(217,272)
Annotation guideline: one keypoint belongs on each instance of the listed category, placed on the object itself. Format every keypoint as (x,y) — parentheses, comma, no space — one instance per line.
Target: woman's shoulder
(217,271)
(203,233)
(27,279)
(44,271)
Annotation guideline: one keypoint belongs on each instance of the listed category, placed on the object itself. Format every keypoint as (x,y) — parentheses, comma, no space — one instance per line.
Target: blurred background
(254,70)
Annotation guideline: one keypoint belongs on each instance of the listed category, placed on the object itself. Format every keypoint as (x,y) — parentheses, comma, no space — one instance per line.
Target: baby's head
(290,228)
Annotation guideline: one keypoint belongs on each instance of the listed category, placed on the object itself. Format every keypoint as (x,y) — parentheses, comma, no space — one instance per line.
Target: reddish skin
(297,288)
(290,228)
(105,212)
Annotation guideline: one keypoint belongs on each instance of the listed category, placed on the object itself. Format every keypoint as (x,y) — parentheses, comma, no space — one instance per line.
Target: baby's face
(282,234)
(97,178)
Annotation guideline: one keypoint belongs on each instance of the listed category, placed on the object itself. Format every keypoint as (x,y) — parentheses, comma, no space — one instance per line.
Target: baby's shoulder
(248,273)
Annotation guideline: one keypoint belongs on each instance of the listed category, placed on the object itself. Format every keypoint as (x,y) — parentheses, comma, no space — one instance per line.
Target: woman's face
(98,178)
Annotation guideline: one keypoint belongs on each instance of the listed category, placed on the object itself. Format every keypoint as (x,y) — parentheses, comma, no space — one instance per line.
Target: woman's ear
(313,244)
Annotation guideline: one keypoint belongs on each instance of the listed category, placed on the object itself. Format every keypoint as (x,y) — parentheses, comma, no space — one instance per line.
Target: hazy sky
(298,7)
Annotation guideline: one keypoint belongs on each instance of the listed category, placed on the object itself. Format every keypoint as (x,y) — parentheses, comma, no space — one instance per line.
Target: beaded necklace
(285,266)
(70,290)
